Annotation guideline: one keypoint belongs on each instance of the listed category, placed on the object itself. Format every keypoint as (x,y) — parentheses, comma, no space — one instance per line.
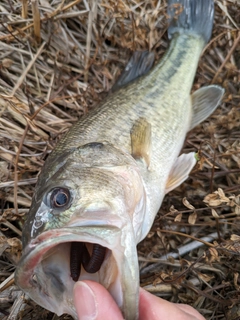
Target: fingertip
(85,301)
(93,301)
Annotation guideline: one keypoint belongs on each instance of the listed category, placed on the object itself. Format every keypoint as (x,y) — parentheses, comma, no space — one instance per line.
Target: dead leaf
(192,218)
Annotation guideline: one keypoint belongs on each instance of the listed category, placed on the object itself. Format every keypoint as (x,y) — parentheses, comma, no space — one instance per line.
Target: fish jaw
(43,271)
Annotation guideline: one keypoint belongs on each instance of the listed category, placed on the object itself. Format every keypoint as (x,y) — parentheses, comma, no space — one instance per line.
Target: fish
(101,187)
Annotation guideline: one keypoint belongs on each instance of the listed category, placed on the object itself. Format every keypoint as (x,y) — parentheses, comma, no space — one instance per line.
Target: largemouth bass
(102,186)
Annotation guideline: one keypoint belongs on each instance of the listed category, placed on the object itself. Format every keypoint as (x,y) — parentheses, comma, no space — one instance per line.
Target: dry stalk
(36,21)
(24,9)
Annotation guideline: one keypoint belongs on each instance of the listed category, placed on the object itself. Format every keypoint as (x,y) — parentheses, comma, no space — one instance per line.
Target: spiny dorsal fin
(180,170)
(141,140)
(204,101)
(139,64)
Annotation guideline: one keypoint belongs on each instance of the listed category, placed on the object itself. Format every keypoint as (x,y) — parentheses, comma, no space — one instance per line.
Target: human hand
(94,302)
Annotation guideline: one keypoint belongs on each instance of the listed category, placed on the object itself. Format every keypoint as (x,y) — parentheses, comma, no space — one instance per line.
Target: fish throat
(80,256)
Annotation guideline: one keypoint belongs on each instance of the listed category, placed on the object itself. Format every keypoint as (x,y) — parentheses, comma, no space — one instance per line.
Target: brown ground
(53,72)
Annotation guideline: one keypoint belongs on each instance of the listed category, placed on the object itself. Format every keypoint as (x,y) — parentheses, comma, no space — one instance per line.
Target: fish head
(94,195)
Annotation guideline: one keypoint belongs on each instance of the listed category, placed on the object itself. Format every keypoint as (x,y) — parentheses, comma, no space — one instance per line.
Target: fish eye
(60,198)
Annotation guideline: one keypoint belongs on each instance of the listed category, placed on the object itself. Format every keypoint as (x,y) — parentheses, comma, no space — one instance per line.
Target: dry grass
(58,59)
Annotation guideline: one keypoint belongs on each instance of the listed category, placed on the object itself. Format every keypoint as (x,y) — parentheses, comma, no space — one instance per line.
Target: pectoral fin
(139,64)
(180,171)
(204,102)
(141,140)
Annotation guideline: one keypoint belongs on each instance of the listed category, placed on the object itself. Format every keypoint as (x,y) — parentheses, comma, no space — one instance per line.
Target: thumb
(154,308)
(94,302)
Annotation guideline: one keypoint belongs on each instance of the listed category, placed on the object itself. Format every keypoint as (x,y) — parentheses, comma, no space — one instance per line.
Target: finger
(94,302)
(191,311)
(154,308)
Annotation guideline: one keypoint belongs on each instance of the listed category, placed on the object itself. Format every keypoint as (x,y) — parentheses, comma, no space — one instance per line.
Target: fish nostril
(79,255)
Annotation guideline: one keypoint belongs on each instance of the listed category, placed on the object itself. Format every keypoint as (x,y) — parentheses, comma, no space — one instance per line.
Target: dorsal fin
(139,64)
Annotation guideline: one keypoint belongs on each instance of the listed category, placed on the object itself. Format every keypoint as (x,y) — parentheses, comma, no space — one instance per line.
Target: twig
(197,243)
(227,57)
(12,227)
(26,182)
(20,80)
(7,282)
(18,305)
(24,9)
(68,6)
(36,20)
(91,16)
(16,167)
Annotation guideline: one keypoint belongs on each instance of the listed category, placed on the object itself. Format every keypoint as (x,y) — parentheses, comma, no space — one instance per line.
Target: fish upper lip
(94,223)
(53,237)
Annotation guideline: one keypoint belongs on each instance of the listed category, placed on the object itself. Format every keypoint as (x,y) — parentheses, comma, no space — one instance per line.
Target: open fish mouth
(57,258)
